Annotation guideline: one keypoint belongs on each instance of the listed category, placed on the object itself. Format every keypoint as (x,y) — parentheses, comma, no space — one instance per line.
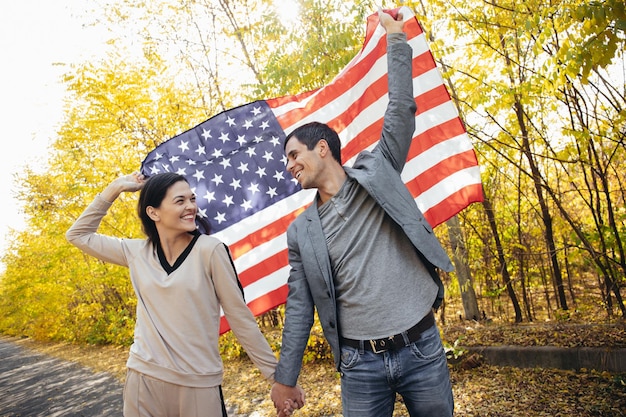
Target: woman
(181,279)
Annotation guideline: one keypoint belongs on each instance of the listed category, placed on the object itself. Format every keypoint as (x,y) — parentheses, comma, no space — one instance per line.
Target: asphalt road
(33,384)
(37,385)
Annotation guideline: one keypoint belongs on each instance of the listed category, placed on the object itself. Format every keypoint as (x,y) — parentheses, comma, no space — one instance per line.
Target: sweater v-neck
(163,260)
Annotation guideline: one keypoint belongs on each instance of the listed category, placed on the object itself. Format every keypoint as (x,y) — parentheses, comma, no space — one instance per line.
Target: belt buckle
(375,349)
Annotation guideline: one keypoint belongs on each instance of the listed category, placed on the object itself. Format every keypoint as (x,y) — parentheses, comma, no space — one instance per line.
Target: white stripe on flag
(269,283)
(442,190)
(431,157)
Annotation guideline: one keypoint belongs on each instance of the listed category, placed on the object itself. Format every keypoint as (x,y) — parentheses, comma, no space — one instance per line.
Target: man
(364,256)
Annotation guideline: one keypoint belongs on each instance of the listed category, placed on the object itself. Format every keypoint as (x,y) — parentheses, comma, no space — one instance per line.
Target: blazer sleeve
(299,315)
(399,119)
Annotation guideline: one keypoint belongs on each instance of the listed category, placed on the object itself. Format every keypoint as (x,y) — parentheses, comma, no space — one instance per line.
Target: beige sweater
(178,315)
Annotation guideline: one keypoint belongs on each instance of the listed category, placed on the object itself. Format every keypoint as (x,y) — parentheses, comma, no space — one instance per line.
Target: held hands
(288,409)
(389,23)
(287,399)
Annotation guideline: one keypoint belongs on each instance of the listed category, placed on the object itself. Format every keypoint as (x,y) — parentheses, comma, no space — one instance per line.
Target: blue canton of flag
(234,163)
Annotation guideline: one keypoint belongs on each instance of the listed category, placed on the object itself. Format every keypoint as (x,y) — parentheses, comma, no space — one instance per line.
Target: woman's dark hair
(311,133)
(152,194)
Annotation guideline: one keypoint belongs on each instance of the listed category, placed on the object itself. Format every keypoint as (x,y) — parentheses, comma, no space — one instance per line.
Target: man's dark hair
(311,133)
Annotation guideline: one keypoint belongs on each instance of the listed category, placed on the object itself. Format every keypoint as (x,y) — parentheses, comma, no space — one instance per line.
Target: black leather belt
(396,341)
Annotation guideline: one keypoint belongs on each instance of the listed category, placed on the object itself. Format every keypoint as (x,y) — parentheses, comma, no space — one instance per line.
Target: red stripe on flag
(441,171)
(265,267)
(454,203)
(269,301)
(423,63)
(435,135)
(327,95)
(364,139)
(267,233)
(374,92)
(280,101)
(431,99)
(224,327)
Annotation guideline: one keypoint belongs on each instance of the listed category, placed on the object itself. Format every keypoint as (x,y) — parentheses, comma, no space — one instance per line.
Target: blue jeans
(418,372)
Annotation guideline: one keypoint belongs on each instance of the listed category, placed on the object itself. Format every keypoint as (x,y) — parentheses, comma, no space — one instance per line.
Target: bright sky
(38,41)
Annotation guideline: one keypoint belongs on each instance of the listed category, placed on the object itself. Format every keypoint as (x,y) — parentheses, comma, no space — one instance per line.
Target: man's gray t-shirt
(382,286)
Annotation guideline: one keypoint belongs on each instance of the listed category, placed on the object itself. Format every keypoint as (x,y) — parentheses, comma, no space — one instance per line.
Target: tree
(116,112)
(520,53)
(459,257)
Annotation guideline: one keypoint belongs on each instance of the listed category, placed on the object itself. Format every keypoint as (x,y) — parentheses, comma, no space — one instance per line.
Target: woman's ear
(152,213)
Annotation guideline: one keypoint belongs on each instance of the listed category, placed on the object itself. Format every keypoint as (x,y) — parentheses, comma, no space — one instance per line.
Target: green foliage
(601,38)
(317,348)
(230,348)
(562,315)
(311,54)
(455,350)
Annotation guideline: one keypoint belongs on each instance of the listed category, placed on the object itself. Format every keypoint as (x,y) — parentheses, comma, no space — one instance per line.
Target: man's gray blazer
(310,279)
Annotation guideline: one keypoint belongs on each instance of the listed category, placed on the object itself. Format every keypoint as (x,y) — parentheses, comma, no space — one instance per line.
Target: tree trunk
(545,211)
(459,257)
(506,278)
(538,183)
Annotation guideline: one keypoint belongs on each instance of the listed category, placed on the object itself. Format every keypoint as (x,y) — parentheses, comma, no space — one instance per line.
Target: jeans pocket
(349,357)
(429,345)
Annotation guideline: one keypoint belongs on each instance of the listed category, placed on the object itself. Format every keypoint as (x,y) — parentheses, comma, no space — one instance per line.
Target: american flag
(235,164)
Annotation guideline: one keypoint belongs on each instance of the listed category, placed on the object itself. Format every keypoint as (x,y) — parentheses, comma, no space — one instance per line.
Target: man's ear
(323,147)
(152,213)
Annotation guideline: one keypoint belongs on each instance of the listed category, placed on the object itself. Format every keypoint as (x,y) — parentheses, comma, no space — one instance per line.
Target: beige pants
(148,397)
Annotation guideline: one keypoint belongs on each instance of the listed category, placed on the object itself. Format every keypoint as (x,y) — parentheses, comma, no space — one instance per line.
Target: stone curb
(601,359)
